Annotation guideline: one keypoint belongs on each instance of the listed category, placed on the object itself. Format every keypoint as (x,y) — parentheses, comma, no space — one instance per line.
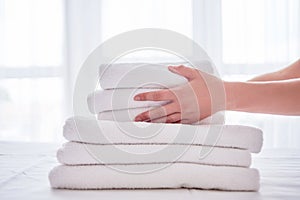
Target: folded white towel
(122,115)
(104,100)
(73,153)
(145,75)
(128,115)
(107,132)
(179,175)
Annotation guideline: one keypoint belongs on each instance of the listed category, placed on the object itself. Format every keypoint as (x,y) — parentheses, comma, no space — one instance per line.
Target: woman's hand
(189,103)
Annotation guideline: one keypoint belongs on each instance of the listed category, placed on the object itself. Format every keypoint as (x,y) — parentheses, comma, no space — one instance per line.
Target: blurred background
(44,42)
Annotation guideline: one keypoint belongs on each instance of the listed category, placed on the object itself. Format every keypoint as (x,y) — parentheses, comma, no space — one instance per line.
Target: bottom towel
(179,175)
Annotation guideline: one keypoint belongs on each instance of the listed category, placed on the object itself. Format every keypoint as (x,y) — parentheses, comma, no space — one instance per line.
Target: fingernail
(172,68)
(137,98)
(137,119)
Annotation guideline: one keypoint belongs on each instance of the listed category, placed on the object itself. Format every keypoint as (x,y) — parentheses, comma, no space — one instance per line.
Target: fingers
(157,112)
(160,95)
(175,117)
(187,72)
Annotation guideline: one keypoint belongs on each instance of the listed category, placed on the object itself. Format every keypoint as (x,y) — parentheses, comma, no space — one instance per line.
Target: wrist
(232,92)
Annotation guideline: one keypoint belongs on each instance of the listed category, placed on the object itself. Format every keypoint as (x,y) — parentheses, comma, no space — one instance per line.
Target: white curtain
(83,34)
(31,69)
(44,43)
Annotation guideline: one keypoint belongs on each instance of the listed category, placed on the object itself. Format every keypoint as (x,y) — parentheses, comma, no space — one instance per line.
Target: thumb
(187,72)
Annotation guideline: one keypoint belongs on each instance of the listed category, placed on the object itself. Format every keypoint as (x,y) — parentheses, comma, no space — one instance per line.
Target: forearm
(290,72)
(281,97)
(273,76)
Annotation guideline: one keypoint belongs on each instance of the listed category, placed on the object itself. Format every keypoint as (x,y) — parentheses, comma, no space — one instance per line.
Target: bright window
(119,16)
(260,31)
(31,69)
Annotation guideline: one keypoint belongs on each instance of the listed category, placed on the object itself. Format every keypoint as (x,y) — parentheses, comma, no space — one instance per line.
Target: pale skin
(273,93)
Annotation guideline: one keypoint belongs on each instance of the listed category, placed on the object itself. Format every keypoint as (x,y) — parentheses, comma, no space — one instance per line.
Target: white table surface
(24,171)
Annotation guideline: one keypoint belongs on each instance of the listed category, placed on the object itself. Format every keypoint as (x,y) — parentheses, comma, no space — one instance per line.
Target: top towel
(146,75)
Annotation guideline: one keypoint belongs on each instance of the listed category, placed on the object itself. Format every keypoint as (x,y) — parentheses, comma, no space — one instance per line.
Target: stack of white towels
(88,159)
